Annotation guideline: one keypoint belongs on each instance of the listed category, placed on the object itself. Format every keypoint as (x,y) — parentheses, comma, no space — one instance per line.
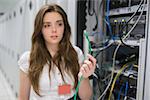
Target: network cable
(113,84)
(126,90)
(114,55)
(135,22)
(81,78)
(91,12)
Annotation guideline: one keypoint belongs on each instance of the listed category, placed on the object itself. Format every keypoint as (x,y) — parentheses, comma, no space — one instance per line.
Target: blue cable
(126,90)
(120,91)
(107,17)
(131,67)
(108,24)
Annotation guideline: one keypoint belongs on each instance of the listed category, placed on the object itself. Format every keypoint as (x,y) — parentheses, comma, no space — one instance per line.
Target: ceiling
(6,5)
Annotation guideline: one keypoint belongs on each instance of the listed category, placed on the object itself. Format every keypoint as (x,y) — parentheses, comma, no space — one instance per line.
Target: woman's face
(53,28)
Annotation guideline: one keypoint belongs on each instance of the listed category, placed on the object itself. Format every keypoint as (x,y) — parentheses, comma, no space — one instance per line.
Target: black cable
(120,37)
(126,24)
(91,9)
(91,12)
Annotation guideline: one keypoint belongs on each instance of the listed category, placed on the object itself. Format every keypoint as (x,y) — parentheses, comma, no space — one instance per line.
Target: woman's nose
(53,28)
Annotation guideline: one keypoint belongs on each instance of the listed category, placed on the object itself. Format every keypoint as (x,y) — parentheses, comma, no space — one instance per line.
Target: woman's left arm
(87,69)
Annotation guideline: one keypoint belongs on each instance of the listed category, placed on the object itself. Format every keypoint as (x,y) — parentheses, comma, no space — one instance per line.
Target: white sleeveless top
(49,90)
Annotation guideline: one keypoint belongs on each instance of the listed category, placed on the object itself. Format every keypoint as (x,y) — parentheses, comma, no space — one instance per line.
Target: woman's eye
(48,25)
(60,24)
(45,26)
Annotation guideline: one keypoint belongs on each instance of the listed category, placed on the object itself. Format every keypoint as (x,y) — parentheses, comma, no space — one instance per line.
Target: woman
(50,71)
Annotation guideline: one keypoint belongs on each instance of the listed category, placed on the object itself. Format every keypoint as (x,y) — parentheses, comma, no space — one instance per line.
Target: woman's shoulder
(23,61)
(77,49)
(80,53)
(25,54)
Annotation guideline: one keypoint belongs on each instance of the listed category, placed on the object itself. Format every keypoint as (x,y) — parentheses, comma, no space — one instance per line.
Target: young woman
(50,71)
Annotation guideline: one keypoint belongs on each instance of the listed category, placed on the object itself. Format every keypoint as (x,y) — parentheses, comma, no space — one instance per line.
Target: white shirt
(49,90)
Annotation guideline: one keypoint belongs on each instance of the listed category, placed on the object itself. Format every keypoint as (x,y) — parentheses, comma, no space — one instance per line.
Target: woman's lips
(54,37)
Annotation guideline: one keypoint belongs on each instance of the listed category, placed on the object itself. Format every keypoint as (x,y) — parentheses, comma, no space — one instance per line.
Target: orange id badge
(64,89)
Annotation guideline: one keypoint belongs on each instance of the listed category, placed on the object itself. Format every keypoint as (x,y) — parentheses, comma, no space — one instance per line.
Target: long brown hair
(40,55)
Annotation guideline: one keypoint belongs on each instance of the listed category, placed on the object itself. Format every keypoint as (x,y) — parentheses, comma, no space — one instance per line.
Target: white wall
(72,17)
(15,38)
